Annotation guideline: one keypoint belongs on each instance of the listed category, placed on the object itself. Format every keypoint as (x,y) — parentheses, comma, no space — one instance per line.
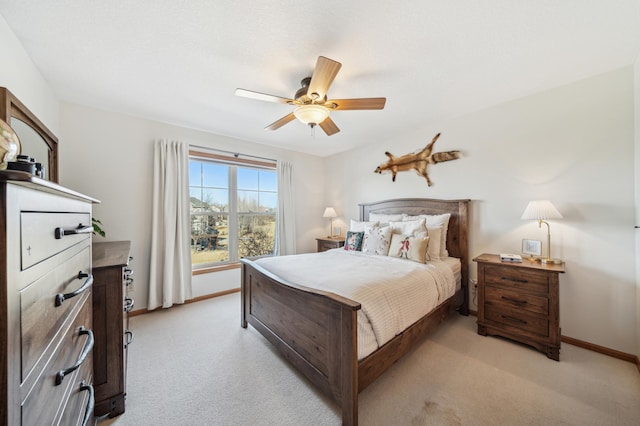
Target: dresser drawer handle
(128,304)
(518,280)
(88,345)
(88,411)
(512,319)
(80,229)
(129,335)
(87,284)
(516,301)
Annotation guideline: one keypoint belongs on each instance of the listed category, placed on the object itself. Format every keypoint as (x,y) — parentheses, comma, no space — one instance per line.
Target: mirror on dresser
(36,139)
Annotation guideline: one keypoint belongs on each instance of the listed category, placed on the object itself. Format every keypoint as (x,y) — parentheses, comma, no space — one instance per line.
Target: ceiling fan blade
(329,126)
(281,122)
(323,75)
(360,103)
(262,96)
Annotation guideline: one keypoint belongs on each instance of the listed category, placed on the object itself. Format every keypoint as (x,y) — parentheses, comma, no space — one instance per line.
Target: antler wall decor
(417,161)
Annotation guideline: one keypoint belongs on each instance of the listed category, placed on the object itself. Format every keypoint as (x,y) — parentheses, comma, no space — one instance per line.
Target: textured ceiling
(179,61)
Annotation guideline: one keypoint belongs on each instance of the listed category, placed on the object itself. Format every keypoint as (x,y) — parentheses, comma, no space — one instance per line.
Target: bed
(317,331)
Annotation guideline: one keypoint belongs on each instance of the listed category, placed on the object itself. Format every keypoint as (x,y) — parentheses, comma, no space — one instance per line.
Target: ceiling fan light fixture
(311,114)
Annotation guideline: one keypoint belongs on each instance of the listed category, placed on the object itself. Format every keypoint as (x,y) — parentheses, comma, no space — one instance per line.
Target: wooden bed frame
(317,331)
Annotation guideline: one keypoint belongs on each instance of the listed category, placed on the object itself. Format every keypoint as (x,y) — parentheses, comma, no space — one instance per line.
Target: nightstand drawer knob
(516,301)
(518,280)
(512,319)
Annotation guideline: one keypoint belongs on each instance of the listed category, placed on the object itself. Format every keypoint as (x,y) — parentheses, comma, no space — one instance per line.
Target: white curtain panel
(170,272)
(286,241)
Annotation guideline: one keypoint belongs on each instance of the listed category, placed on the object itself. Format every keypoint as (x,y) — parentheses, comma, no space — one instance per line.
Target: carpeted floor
(195,365)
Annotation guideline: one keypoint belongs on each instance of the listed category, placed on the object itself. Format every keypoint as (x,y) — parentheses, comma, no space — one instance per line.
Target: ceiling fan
(312,106)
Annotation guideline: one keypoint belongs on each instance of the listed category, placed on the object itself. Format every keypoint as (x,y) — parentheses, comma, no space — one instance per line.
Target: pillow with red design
(409,247)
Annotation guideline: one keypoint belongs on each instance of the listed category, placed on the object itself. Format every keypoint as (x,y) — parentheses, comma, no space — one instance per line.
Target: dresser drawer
(41,319)
(43,403)
(79,404)
(527,302)
(38,234)
(518,279)
(519,319)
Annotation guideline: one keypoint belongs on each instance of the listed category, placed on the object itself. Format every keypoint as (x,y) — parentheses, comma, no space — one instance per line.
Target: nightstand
(520,301)
(328,243)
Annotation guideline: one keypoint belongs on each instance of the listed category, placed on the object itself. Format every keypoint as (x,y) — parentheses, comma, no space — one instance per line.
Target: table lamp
(330,213)
(542,210)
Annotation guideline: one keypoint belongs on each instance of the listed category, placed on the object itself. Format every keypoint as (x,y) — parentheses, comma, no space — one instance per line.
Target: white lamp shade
(540,210)
(311,114)
(329,212)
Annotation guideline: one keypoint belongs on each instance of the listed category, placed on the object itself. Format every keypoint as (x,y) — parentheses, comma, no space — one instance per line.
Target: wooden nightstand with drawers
(328,243)
(520,301)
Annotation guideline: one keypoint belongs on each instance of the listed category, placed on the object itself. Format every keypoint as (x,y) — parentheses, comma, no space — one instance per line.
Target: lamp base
(551,261)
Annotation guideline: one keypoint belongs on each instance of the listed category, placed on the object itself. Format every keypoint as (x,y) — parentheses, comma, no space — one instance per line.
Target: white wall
(110,157)
(572,145)
(19,74)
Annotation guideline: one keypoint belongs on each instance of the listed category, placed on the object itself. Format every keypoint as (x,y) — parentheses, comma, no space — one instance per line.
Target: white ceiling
(180,61)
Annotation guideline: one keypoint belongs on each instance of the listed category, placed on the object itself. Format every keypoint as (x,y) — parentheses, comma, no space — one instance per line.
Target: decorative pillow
(360,226)
(434,233)
(408,227)
(377,240)
(353,242)
(409,247)
(436,220)
(386,218)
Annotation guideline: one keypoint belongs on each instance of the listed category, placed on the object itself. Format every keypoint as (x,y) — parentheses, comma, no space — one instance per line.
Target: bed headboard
(458,231)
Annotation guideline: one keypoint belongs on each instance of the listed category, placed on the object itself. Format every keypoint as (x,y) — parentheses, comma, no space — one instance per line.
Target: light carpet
(195,365)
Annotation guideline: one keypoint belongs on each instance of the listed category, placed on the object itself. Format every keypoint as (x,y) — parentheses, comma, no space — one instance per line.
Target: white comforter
(394,293)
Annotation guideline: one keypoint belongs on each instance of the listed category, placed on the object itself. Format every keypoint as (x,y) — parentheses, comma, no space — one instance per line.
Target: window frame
(233,214)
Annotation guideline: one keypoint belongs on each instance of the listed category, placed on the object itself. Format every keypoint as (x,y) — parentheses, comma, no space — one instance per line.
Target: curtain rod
(235,154)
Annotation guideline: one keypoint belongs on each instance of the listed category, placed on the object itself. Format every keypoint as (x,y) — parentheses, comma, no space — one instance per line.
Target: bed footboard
(314,330)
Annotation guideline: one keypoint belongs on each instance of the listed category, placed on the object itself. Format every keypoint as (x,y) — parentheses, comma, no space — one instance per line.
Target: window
(233,209)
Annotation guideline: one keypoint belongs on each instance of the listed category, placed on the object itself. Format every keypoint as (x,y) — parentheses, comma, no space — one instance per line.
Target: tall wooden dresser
(45,303)
(111,307)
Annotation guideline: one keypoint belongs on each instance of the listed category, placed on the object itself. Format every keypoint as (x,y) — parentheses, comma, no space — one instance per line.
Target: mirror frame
(11,107)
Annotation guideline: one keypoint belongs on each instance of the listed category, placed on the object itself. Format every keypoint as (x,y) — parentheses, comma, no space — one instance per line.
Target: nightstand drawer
(325,244)
(527,302)
(518,279)
(518,319)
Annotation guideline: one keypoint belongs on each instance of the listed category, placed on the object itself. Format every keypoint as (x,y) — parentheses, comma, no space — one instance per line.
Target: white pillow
(436,220)
(377,240)
(434,233)
(408,227)
(386,218)
(409,247)
(356,226)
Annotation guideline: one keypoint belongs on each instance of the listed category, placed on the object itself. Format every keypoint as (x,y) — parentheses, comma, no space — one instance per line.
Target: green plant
(97,229)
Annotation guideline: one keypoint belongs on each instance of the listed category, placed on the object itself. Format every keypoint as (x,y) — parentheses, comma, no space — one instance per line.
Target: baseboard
(195,299)
(603,350)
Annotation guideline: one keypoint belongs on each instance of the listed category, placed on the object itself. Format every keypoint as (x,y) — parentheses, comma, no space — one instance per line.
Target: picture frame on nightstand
(532,247)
